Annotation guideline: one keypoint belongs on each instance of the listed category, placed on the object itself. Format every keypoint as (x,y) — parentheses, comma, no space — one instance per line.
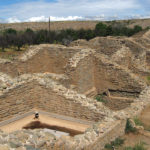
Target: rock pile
(26,139)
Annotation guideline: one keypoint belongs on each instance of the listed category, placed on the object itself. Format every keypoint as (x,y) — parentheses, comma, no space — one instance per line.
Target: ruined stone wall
(114,131)
(31,95)
(86,70)
(94,138)
(46,59)
(96,72)
(104,132)
(97,135)
(50,101)
(17,101)
(83,75)
(110,76)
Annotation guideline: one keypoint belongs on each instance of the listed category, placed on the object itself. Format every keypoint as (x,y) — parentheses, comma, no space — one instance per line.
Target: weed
(148,78)
(100,98)
(129,128)
(118,142)
(139,146)
(138,122)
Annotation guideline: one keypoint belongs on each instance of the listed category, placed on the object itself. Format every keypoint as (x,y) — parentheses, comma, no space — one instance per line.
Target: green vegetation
(118,142)
(139,146)
(148,78)
(138,122)
(100,98)
(129,127)
(13,38)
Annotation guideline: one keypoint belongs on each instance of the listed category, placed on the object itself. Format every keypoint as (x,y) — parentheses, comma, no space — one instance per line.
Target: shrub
(137,28)
(100,98)
(129,128)
(10,31)
(101,29)
(118,142)
(148,78)
(138,122)
(139,146)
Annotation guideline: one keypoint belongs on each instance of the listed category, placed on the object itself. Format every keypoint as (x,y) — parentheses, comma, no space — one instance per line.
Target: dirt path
(19,124)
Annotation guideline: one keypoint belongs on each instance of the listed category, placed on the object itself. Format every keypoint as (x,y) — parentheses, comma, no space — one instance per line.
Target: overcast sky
(40,10)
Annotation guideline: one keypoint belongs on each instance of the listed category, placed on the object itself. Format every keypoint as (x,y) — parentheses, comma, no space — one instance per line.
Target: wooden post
(49,24)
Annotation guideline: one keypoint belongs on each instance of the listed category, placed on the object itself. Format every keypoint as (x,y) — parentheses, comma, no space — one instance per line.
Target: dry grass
(11,53)
(71,24)
(54,25)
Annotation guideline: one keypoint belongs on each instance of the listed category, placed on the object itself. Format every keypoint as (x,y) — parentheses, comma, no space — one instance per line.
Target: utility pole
(49,28)
(49,24)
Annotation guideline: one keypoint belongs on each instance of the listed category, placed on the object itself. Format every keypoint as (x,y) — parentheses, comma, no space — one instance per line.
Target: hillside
(71,24)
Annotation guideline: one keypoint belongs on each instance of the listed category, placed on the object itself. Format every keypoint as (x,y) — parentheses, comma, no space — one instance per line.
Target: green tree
(10,31)
(101,29)
(137,29)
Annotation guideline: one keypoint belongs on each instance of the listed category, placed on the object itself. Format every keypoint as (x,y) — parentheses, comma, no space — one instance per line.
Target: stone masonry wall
(39,59)
(51,102)
(18,101)
(95,71)
(116,130)
(109,75)
(30,95)
(83,75)
(94,138)
(86,70)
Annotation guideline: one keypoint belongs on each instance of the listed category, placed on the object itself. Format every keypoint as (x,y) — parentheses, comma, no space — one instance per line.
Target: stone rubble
(73,62)
(25,139)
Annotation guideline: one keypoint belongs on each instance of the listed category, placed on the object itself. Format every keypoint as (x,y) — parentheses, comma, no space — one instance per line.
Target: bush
(100,98)
(129,127)
(10,31)
(138,122)
(137,29)
(101,29)
(118,142)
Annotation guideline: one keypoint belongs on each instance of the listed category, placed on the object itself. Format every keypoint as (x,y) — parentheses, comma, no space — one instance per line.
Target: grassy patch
(138,122)
(118,142)
(140,146)
(100,98)
(129,127)
(11,52)
(148,78)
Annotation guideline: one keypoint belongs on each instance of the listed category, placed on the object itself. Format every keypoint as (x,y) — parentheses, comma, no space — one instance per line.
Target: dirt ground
(132,139)
(145,117)
(18,125)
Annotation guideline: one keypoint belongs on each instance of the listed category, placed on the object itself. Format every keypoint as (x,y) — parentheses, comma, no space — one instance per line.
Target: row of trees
(11,37)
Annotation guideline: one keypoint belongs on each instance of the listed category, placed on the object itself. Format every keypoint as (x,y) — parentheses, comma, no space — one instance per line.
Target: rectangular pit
(62,125)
